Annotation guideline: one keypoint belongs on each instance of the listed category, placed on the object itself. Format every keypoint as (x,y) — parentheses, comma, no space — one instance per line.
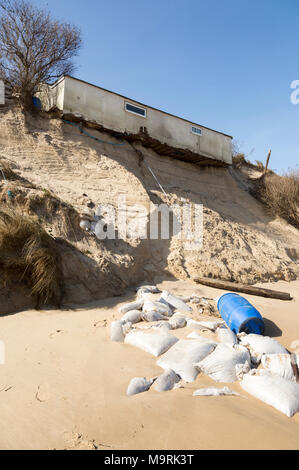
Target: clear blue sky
(225,64)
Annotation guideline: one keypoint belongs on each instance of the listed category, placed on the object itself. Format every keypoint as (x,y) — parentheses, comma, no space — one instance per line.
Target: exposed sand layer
(241,241)
(64,385)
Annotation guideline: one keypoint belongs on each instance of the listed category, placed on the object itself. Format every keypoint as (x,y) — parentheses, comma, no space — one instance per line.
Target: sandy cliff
(241,241)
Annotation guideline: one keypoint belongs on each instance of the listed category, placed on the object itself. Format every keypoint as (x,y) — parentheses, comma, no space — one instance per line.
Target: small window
(132,108)
(196,130)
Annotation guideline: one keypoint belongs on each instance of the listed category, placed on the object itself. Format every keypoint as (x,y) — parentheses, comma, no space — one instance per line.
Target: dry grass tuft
(281,195)
(32,254)
(259,165)
(239,159)
(6,170)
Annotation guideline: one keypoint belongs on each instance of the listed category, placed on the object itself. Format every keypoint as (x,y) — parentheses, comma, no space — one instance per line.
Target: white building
(2,92)
(165,133)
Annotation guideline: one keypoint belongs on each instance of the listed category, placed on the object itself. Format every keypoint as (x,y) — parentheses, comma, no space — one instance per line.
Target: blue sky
(225,64)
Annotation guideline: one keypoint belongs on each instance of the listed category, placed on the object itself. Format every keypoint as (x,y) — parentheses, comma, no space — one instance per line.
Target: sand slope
(240,240)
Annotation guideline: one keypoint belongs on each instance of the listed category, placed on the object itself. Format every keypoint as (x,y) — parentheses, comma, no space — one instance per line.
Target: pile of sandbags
(260,364)
(145,309)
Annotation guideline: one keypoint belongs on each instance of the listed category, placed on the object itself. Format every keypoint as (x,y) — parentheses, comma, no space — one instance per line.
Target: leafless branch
(34,47)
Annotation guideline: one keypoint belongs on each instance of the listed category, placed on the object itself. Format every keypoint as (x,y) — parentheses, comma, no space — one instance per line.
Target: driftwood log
(246,289)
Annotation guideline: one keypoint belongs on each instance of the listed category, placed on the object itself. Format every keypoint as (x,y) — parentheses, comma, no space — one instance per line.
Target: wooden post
(267,162)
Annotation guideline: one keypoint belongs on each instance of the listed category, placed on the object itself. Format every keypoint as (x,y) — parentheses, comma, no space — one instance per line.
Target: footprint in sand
(57,332)
(43,393)
(76,441)
(100,323)
(5,389)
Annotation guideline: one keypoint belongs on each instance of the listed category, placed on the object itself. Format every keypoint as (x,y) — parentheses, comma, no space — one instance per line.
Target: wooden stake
(267,162)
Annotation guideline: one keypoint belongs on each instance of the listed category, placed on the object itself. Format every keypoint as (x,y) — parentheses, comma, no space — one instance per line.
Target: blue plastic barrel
(36,103)
(240,315)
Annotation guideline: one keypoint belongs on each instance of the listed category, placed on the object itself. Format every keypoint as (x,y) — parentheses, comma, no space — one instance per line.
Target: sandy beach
(63,385)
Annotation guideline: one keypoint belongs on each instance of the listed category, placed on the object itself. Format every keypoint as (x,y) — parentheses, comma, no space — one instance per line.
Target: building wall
(108,109)
(2,92)
(52,95)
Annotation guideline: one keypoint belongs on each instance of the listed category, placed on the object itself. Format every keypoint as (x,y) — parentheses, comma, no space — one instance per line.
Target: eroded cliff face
(241,241)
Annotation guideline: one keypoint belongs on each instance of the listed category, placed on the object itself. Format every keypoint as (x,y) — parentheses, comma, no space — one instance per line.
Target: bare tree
(34,47)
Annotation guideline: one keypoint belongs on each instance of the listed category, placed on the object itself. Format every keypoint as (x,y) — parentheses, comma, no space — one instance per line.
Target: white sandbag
(182,356)
(139,385)
(154,306)
(162,327)
(116,331)
(177,322)
(175,302)
(214,392)
(259,345)
(166,381)
(133,316)
(204,325)
(221,364)
(153,343)
(180,315)
(197,335)
(280,393)
(280,364)
(132,306)
(153,316)
(185,298)
(149,289)
(225,335)
(145,296)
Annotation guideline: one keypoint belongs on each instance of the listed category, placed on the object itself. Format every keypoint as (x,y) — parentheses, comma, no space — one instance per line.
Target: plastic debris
(214,392)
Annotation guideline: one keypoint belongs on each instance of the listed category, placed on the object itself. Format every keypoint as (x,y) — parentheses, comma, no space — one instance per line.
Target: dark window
(135,109)
(196,130)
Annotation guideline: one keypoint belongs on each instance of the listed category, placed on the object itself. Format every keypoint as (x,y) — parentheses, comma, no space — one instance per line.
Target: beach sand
(63,385)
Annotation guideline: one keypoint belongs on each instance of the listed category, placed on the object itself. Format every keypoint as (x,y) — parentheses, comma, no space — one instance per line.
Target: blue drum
(240,315)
